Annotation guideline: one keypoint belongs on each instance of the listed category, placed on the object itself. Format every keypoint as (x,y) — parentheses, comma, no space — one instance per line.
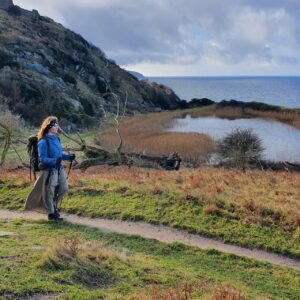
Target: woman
(52,184)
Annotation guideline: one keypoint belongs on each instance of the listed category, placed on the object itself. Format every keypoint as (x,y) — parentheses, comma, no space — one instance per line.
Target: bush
(242,147)
(14,122)
(69,78)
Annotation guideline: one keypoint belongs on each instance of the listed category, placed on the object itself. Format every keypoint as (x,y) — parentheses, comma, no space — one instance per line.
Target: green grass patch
(188,215)
(113,201)
(75,262)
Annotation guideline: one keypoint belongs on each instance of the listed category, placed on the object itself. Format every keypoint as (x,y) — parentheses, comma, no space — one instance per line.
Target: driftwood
(99,156)
(171,162)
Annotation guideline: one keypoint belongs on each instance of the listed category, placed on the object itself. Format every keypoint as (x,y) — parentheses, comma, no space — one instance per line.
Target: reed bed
(291,117)
(147,134)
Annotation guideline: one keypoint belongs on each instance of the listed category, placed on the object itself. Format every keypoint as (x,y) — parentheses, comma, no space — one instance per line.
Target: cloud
(184,33)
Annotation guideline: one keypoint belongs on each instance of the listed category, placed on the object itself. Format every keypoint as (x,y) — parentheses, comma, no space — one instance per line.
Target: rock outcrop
(48,69)
(5,4)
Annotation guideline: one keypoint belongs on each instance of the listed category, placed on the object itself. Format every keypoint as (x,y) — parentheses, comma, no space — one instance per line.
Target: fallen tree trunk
(99,156)
(171,162)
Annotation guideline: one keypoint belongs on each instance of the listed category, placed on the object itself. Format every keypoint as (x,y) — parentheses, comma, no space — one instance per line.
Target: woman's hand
(72,156)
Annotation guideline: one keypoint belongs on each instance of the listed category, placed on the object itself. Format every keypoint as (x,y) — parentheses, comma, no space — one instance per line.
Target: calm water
(281,141)
(283,91)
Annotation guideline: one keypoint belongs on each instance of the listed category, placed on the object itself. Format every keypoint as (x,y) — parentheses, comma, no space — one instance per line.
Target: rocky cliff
(48,69)
(5,4)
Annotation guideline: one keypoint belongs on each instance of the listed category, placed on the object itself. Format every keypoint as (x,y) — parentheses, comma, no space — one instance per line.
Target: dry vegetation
(147,134)
(258,197)
(291,117)
(255,197)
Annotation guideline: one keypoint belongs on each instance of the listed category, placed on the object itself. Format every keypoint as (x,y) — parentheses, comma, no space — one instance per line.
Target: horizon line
(191,76)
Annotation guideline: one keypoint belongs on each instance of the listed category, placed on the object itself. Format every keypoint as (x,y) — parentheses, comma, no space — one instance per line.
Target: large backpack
(32,150)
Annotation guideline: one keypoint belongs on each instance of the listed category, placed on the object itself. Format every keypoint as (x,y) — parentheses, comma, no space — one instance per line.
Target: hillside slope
(48,69)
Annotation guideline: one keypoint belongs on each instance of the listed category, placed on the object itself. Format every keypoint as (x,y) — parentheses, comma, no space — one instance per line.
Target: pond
(281,141)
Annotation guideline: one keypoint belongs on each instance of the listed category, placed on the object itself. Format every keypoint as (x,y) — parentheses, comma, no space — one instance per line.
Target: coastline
(273,90)
(146,133)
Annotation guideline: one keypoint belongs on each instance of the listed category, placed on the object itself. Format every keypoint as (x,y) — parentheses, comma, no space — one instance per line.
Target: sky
(187,37)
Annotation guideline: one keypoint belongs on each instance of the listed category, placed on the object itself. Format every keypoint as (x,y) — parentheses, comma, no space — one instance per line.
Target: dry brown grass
(227,292)
(147,134)
(71,248)
(256,196)
(202,289)
(259,197)
(182,291)
(89,263)
(285,116)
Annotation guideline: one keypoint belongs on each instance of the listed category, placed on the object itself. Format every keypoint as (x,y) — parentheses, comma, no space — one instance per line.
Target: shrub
(241,146)
(14,122)
(69,78)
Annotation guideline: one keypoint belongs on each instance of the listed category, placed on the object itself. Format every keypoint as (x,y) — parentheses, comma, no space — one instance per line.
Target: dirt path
(163,234)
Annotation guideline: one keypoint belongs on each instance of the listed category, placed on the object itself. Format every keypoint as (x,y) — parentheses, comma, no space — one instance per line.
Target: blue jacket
(55,151)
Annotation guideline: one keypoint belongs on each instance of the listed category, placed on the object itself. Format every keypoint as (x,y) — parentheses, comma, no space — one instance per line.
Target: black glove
(58,163)
(72,156)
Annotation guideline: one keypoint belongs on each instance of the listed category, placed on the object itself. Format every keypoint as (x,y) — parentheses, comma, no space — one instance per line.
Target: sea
(279,90)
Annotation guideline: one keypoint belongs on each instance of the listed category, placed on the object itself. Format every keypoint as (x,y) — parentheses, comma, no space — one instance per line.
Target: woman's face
(54,129)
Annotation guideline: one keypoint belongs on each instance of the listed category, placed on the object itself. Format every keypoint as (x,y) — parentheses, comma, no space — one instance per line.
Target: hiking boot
(53,217)
(56,212)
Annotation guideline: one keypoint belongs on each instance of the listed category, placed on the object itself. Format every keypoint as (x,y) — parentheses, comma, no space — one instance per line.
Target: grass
(288,116)
(253,209)
(147,134)
(66,261)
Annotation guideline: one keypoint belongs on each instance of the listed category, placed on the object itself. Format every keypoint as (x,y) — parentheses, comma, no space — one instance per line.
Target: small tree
(241,146)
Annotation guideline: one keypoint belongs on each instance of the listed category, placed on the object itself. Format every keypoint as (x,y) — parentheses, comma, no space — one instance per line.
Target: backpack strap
(48,145)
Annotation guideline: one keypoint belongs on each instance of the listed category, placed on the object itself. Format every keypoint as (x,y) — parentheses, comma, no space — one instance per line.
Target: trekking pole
(70,167)
(56,194)
(30,166)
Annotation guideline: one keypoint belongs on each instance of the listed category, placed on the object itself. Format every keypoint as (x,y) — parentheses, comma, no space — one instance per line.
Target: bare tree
(6,133)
